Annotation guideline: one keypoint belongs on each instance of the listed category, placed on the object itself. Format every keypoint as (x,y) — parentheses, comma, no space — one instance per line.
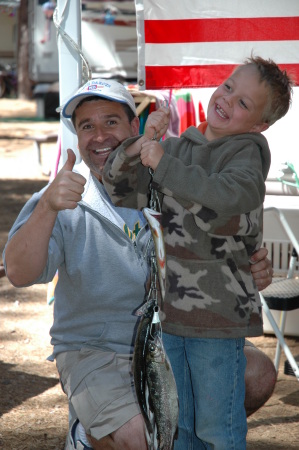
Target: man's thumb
(71,159)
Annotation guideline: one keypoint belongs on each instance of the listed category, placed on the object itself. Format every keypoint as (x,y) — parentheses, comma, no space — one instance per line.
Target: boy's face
(237,105)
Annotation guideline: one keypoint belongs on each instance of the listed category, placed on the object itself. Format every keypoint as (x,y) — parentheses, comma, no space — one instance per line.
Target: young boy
(212,180)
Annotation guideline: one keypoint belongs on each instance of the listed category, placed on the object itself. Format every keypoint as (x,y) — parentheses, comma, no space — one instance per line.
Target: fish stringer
(157,265)
(153,216)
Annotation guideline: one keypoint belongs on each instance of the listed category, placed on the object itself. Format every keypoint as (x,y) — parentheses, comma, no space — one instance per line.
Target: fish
(154,380)
(154,220)
(163,397)
(139,358)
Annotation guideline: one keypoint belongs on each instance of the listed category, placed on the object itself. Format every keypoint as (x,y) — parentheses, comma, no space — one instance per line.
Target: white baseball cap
(109,89)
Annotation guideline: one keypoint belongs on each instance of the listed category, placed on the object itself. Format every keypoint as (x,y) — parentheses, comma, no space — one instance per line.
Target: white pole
(70,68)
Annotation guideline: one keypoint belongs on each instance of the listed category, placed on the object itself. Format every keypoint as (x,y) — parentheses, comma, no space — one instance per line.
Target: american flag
(197,43)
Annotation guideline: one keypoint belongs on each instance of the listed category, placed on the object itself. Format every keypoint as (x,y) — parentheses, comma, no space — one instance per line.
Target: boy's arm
(127,182)
(125,178)
(231,184)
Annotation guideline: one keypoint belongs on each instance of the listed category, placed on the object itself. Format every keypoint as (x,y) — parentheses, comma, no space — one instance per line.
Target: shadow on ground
(10,381)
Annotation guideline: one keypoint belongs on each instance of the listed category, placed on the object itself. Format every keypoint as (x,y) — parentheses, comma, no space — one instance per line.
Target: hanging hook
(154,202)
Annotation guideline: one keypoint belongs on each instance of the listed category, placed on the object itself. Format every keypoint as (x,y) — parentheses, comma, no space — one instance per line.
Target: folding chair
(283,294)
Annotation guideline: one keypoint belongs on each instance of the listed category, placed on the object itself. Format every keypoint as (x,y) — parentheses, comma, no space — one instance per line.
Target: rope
(86,70)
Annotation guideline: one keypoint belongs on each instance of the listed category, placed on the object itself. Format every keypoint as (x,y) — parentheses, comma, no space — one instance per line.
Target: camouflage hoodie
(212,204)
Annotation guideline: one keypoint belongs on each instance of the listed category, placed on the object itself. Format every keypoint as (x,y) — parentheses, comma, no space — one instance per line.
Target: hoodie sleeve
(228,179)
(126,180)
(222,183)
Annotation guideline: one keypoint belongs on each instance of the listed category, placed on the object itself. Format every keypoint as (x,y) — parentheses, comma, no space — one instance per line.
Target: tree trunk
(24,83)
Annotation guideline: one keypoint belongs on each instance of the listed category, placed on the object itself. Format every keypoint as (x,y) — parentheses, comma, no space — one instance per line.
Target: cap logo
(94,87)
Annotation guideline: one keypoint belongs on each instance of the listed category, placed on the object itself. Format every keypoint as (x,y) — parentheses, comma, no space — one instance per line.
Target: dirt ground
(33,409)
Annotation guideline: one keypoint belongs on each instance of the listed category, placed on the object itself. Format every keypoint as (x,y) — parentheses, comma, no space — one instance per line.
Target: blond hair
(279,84)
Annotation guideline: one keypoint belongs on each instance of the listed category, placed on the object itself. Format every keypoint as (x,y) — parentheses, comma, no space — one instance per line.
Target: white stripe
(192,9)
(286,52)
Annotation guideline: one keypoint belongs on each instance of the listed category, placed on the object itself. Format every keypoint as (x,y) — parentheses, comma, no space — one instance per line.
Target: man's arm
(261,269)
(27,252)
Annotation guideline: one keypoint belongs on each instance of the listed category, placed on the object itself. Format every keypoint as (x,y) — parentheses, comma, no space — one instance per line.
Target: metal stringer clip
(154,202)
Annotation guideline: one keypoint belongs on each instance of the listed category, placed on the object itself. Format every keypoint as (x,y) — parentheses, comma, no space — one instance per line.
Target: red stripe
(167,77)
(221,30)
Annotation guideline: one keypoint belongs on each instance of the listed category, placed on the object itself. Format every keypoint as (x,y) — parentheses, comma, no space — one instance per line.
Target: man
(102,256)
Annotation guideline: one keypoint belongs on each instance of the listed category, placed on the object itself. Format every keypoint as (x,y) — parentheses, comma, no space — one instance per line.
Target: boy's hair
(126,108)
(279,85)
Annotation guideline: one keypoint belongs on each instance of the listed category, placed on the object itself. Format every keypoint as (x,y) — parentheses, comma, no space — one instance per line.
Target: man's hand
(66,189)
(27,251)
(261,269)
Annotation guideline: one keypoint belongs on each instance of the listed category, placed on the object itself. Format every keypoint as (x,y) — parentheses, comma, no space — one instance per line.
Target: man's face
(237,105)
(102,126)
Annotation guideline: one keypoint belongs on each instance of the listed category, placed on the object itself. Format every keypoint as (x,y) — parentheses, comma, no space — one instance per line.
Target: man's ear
(259,127)
(135,126)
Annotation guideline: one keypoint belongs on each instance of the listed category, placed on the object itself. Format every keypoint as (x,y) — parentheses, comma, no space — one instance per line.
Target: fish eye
(152,347)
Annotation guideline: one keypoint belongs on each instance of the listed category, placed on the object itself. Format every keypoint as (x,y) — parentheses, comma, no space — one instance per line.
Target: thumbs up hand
(70,162)
(67,188)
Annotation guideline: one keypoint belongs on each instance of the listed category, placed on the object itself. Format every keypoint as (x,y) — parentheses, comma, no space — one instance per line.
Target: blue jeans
(211,386)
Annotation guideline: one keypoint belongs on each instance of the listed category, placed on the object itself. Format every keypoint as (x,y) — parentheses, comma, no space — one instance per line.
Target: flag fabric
(197,43)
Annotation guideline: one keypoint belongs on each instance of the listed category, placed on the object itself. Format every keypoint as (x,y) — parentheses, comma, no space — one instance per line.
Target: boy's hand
(157,123)
(151,153)
(155,127)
